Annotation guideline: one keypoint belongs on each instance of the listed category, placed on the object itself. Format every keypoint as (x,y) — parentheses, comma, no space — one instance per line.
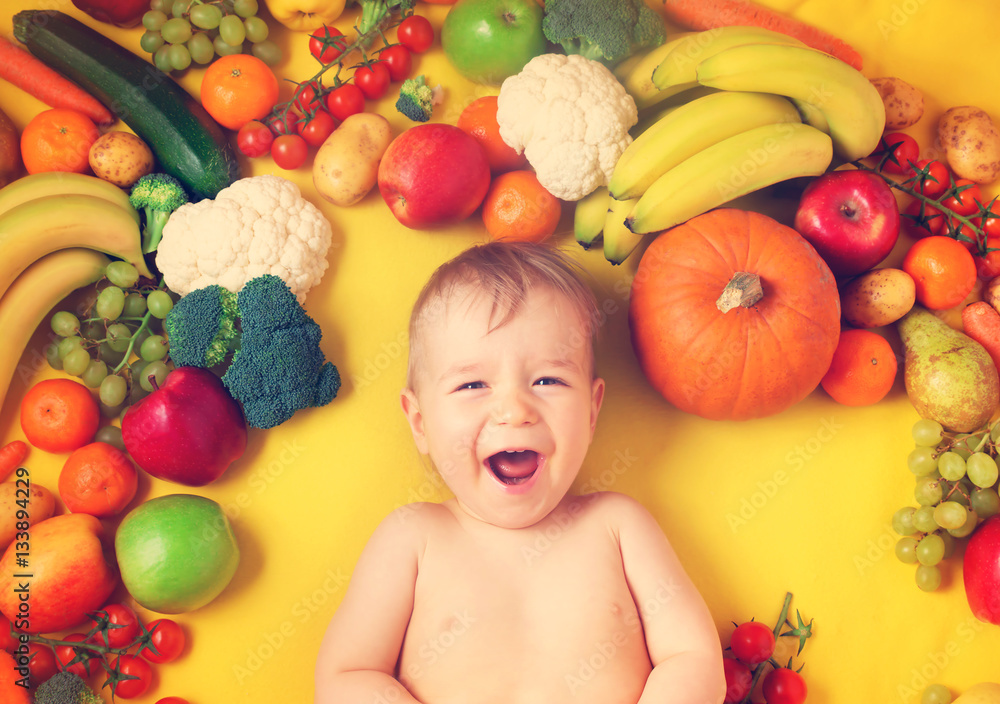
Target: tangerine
(237,89)
(58,139)
(59,415)
(863,369)
(943,271)
(98,479)
(479,119)
(517,207)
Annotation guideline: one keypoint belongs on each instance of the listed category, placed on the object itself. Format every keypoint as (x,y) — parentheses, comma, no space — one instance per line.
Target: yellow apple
(305,15)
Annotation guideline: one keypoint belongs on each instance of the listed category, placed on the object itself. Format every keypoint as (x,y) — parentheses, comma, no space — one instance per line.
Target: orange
(863,369)
(517,207)
(58,140)
(943,271)
(59,415)
(479,119)
(237,89)
(98,479)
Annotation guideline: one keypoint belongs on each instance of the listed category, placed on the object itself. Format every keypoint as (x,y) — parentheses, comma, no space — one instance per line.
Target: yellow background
(798,502)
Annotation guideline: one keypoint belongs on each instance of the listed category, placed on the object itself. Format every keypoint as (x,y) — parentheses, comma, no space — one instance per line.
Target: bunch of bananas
(726,112)
(56,230)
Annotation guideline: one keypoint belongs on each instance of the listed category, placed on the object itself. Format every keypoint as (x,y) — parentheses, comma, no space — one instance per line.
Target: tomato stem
(759,670)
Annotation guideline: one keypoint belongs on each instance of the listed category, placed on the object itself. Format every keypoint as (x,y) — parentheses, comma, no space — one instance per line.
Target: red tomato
(138,675)
(936,180)
(903,151)
(311,97)
(398,60)
(752,642)
(324,45)
(168,639)
(738,680)
(41,663)
(922,220)
(964,234)
(283,125)
(373,79)
(289,151)
(344,101)
(784,686)
(8,641)
(988,265)
(172,700)
(317,128)
(66,653)
(966,200)
(416,34)
(118,625)
(254,139)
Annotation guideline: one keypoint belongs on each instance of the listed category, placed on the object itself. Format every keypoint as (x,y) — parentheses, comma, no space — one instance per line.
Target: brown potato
(971,143)
(991,293)
(121,158)
(41,505)
(346,165)
(904,104)
(878,297)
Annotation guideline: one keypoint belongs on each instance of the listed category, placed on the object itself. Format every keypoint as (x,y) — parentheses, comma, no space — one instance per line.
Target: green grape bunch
(180,33)
(116,345)
(956,483)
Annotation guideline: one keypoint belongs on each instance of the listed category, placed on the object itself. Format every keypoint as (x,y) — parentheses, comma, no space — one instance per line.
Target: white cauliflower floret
(258,225)
(570,117)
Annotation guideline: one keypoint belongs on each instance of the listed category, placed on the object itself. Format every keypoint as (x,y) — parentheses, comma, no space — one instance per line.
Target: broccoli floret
(375,13)
(608,31)
(202,327)
(66,688)
(157,195)
(416,99)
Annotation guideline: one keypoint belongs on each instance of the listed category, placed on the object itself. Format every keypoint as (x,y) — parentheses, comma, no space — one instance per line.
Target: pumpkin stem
(743,290)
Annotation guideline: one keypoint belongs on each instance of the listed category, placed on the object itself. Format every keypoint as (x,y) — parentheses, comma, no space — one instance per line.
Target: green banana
(728,169)
(589,215)
(619,241)
(686,130)
(636,75)
(850,103)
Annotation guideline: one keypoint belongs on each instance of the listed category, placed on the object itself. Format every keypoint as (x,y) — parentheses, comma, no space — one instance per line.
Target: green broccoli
(277,367)
(66,688)
(416,99)
(375,13)
(608,31)
(157,195)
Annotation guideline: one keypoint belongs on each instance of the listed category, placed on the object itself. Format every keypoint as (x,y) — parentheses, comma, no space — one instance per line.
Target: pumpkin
(733,315)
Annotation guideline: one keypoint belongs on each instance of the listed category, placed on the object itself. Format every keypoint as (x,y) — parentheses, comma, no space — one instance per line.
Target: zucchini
(188,143)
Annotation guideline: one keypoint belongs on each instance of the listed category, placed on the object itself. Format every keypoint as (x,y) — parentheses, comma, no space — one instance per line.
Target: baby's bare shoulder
(611,505)
(414,521)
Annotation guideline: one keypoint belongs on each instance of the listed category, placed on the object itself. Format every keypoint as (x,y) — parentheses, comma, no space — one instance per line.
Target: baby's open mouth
(513,466)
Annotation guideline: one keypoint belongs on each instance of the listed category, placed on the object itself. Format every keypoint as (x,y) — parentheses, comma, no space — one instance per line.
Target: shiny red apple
(981,571)
(187,431)
(851,218)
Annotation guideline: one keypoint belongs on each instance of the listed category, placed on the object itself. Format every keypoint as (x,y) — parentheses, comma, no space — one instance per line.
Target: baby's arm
(358,655)
(681,637)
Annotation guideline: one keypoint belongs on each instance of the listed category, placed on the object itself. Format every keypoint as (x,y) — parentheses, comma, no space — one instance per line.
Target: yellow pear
(305,15)
(982,693)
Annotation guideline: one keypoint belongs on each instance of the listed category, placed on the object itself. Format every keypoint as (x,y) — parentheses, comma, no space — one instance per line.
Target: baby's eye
(549,381)
(471,385)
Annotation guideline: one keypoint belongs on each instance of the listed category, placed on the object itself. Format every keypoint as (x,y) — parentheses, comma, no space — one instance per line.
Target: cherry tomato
(738,680)
(966,201)
(283,125)
(66,653)
(167,637)
(8,640)
(41,663)
(964,234)
(289,151)
(119,626)
(138,675)
(344,101)
(904,152)
(317,128)
(373,79)
(416,34)
(784,686)
(752,642)
(922,220)
(254,139)
(988,265)
(937,178)
(311,98)
(172,700)
(398,60)
(323,44)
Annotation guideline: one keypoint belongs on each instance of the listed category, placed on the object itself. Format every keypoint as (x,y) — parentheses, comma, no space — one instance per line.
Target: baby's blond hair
(504,272)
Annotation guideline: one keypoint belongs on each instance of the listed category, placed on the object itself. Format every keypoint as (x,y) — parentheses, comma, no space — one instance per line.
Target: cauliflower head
(570,117)
(258,225)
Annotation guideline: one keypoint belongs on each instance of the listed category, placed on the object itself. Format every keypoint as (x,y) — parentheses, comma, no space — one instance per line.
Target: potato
(971,143)
(878,297)
(991,293)
(346,165)
(41,505)
(904,104)
(121,158)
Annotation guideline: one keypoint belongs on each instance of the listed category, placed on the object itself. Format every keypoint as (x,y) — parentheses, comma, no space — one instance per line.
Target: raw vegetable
(707,14)
(608,31)
(10,150)
(904,104)
(66,688)
(11,456)
(981,322)
(120,158)
(877,297)
(417,99)
(991,293)
(345,168)
(971,143)
(259,225)
(157,196)
(375,14)
(203,327)
(572,145)
(10,691)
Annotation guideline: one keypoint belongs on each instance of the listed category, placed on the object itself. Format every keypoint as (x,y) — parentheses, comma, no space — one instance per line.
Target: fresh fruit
(71,659)
(783,685)
(58,139)
(188,431)
(138,675)
(167,641)
(372,79)
(479,119)
(254,139)
(738,680)
(518,208)
(488,40)
(116,626)
(981,571)
(36,501)
(238,88)
(898,153)
(121,13)
(10,151)
(10,690)
(176,552)
(851,218)
(943,271)
(589,215)
(344,101)
(327,43)
(752,642)
(863,369)
(305,15)
(289,151)
(59,415)
(345,168)
(619,241)
(415,33)
(878,297)
(982,693)
(98,479)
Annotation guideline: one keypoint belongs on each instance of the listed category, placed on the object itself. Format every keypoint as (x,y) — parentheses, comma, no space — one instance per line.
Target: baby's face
(506,416)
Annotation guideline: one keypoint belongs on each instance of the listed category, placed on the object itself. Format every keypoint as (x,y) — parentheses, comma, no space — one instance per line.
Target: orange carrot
(982,323)
(29,74)
(708,14)
(11,456)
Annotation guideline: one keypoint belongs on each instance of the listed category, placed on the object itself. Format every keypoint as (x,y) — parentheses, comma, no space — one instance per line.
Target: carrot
(32,76)
(11,456)
(10,691)
(982,323)
(708,14)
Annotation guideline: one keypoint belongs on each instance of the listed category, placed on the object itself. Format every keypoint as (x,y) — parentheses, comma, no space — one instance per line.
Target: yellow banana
(61,183)
(33,229)
(850,103)
(728,169)
(636,75)
(589,214)
(32,296)
(619,241)
(686,130)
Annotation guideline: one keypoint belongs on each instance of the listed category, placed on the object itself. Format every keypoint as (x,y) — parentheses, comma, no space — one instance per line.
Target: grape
(135,306)
(110,303)
(159,303)
(161,59)
(951,465)
(92,330)
(94,374)
(76,362)
(223,49)
(122,274)
(158,370)
(151,41)
(206,16)
(923,519)
(180,57)
(154,19)
(245,8)
(928,577)
(928,491)
(109,354)
(153,348)
(113,390)
(936,694)
(267,51)
(950,515)
(176,31)
(902,521)
(201,48)
(906,550)
(971,521)
(68,344)
(921,460)
(52,356)
(965,445)
(927,432)
(985,502)
(111,434)
(161,5)
(995,432)
(930,549)
(119,336)
(232,31)
(179,7)
(255,29)
(65,324)
(982,469)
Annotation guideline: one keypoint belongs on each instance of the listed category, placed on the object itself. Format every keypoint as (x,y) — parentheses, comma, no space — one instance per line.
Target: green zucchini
(188,143)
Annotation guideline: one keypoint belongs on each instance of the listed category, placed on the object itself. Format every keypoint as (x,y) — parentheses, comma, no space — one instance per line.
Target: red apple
(187,431)
(433,174)
(67,572)
(981,571)
(851,218)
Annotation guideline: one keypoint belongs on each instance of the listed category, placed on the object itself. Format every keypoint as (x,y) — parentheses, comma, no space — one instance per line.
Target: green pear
(949,376)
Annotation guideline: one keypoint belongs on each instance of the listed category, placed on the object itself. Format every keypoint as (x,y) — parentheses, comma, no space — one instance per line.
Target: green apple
(176,553)
(488,40)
